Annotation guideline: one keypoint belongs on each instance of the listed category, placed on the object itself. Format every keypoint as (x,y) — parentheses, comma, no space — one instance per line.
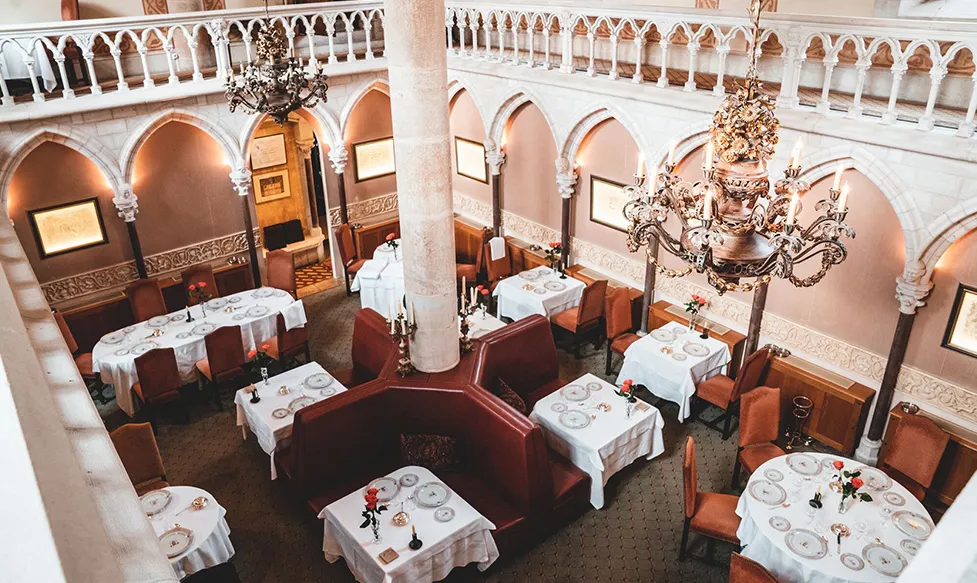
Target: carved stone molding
(364,209)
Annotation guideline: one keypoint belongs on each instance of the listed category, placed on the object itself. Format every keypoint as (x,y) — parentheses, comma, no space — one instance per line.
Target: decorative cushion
(511,398)
(434,452)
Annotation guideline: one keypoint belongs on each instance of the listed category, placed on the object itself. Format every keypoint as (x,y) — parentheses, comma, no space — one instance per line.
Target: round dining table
(207,530)
(799,543)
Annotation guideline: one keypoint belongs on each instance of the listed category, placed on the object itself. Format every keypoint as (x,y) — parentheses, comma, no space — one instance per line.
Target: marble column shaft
(417,63)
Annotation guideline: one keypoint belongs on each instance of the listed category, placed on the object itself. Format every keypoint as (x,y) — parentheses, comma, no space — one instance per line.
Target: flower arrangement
(259,361)
(695,303)
(372,512)
(391,240)
(627,392)
(484,292)
(850,484)
(554,253)
(197,293)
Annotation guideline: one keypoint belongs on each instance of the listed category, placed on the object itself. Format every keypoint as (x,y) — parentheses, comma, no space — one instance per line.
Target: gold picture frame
(64,228)
(374,159)
(961,330)
(268,151)
(271,186)
(470,159)
(607,200)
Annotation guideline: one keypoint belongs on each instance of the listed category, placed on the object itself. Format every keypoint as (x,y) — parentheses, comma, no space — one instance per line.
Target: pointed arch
(590,118)
(455,86)
(376,84)
(512,103)
(946,230)
(326,121)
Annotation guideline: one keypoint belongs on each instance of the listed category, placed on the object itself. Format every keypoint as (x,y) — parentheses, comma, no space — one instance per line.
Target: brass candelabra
(402,330)
(465,311)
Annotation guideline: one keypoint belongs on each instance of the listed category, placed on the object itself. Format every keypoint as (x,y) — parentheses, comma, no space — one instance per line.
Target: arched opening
(369,198)
(468,129)
(529,179)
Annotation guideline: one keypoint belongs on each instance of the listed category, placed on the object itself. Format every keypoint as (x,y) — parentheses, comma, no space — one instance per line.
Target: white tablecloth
(516,302)
(274,433)
(671,379)
(767,546)
(211,544)
(13,67)
(119,370)
(467,538)
(481,324)
(610,443)
(381,284)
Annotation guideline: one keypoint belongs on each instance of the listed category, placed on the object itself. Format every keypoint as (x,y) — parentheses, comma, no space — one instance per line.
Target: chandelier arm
(825,248)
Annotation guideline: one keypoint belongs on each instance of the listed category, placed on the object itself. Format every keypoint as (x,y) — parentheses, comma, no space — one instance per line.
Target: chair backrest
(344,239)
(751,372)
(759,416)
(69,338)
(225,350)
(916,448)
(197,274)
(289,339)
(523,354)
(592,302)
(158,372)
(486,234)
(743,570)
(617,312)
(280,271)
(136,446)
(499,268)
(689,477)
(145,299)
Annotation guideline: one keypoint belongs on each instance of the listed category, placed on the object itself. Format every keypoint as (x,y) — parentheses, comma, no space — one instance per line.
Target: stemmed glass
(885,514)
(861,528)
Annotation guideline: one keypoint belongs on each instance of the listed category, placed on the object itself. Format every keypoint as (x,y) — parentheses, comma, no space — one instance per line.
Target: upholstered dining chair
(347,254)
(288,344)
(145,299)
(743,570)
(914,453)
(280,271)
(472,272)
(225,358)
(194,275)
(159,381)
(83,360)
(707,513)
(759,428)
(724,392)
(498,269)
(617,317)
(136,445)
(586,317)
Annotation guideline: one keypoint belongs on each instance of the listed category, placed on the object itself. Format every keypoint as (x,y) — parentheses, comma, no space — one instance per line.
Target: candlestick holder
(402,330)
(465,342)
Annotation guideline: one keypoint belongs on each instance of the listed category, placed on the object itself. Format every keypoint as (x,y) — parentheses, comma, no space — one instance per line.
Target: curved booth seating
(372,349)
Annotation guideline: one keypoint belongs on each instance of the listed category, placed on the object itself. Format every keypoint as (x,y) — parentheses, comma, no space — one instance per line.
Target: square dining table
(610,441)
(537,291)
(671,361)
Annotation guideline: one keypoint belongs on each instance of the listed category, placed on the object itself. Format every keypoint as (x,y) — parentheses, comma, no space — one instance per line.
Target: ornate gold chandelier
(275,83)
(732,226)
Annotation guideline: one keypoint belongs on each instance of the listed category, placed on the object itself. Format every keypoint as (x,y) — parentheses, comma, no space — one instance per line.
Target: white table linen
(211,544)
(497,248)
(381,284)
(670,379)
(119,370)
(467,538)
(272,433)
(610,443)
(387,253)
(516,303)
(480,324)
(767,546)
(12,65)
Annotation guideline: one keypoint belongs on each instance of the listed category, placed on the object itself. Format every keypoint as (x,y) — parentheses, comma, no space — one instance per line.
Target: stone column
(756,319)
(305,155)
(651,272)
(127,205)
(241,178)
(912,287)
(495,157)
(418,71)
(337,157)
(566,182)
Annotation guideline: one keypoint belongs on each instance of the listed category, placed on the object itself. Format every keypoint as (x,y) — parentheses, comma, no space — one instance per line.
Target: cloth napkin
(497,248)
(294,315)
(372,269)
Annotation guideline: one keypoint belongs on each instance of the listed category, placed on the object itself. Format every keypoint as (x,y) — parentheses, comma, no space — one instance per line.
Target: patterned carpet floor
(635,538)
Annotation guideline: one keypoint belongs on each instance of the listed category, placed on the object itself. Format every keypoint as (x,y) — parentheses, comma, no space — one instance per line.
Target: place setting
(189,525)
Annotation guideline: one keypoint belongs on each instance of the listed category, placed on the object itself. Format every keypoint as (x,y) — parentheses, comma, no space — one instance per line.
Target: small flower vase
(629,408)
(692,323)
(375,526)
(845,504)
(203,310)
(395,255)
(264,374)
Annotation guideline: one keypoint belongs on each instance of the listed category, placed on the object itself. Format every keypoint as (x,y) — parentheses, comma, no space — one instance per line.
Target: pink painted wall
(529,175)
(185,193)
(54,174)
(466,123)
(369,120)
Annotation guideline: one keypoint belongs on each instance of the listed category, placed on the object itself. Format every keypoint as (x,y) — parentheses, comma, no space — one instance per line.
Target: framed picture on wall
(374,159)
(268,151)
(961,330)
(470,160)
(607,200)
(67,227)
(271,186)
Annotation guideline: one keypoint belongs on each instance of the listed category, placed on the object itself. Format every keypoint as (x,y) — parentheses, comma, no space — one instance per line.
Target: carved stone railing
(895,71)
(65,60)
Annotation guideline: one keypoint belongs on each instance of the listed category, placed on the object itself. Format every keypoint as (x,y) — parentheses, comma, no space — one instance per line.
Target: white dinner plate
(767,492)
(216,303)
(558,407)
(258,311)
(574,419)
(555,286)
(328,391)
(234,300)
(894,498)
(300,402)
(122,352)
(773,475)
(910,546)
(913,524)
(678,356)
(885,560)
(319,380)
(142,348)
(183,335)
(176,541)
(663,335)
(155,501)
(262,293)
(539,291)
(204,329)
(696,349)
(594,386)
(874,478)
(853,562)
(806,544)
(779,523)
(386,486)
(239,317)
(114,337)
(432,495)
(444,514)
(575,393)
(178,317)
(280,413)
(803,464)
(529,275)
(157,321)
(409,480)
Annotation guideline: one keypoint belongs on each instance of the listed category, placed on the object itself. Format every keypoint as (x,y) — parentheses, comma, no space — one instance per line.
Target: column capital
(305,147)
(337,157)
(566,177)
(912,287)
(241,179)
(494,156)
(126,203)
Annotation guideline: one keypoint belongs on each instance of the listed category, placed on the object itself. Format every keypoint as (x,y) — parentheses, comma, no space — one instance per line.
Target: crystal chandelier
(732,226)
(275,83)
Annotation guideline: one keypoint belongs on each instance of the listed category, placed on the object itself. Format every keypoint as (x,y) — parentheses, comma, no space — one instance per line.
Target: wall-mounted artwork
(961,330)
(271,186)
(374,159)
(470,160)
(268,151)
(607,200)
(67,227)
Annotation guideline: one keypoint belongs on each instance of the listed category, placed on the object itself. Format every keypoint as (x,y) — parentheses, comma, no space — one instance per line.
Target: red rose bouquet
(391,240)
(695,303)
(372,512)
(627,392)
(850,484)
(554,253)
(259,361)
(198,293)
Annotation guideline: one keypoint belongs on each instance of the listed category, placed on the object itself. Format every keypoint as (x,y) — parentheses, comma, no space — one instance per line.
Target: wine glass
(861,527)
(798,483)
(885,514)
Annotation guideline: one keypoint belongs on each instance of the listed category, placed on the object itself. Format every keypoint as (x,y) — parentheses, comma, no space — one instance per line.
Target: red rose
(371,499)
(371,505)
(201,284)
(480,287)
(266,346)
(485,292)
(838,464)
(373,491)
(391,236)
(191,287)
(252,354)
(857,483)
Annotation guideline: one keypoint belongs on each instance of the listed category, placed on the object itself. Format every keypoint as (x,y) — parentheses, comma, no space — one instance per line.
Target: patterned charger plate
(216,303)
(444,514)
(114,337)
(853,562)
(874,478)
(913,524)
(767,492)
(803,464)
(234,300)
(779,523)
(387,488)
(529,275)
(663,335)
(157,321)
(594,386)
(204,329)
(142,348)
(432,495)
(910,546)
(555,286)
(179,317)
(539,291)
(773,475)
(300,402)
(575,393)
(696,349)
(154,502)
(678,356)
(176,541)
(894,499)
(558,407)
(885,560)
(319,380)
(574,419)
(280,413)
(806,544)
(258,311)
(262,293)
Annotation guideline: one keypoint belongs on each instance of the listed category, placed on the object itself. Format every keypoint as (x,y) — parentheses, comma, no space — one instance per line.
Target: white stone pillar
(418,70)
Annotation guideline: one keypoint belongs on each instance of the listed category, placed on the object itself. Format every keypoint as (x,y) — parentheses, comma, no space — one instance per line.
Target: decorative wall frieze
(121,274)
(364,209)
(823,349)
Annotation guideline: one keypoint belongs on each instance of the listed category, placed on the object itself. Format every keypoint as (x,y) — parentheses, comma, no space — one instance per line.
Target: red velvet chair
(913,454)
(195,275)
(472,272)
(83,360)
(347,253)
(280,271)
(743,570)
(372,348)
(586,317)
(136,446)
(288,344)
(225,358)
(159,381)
(724,392)
(497,270)
(759,428)
(145,299)
(706,513)
(617,316)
